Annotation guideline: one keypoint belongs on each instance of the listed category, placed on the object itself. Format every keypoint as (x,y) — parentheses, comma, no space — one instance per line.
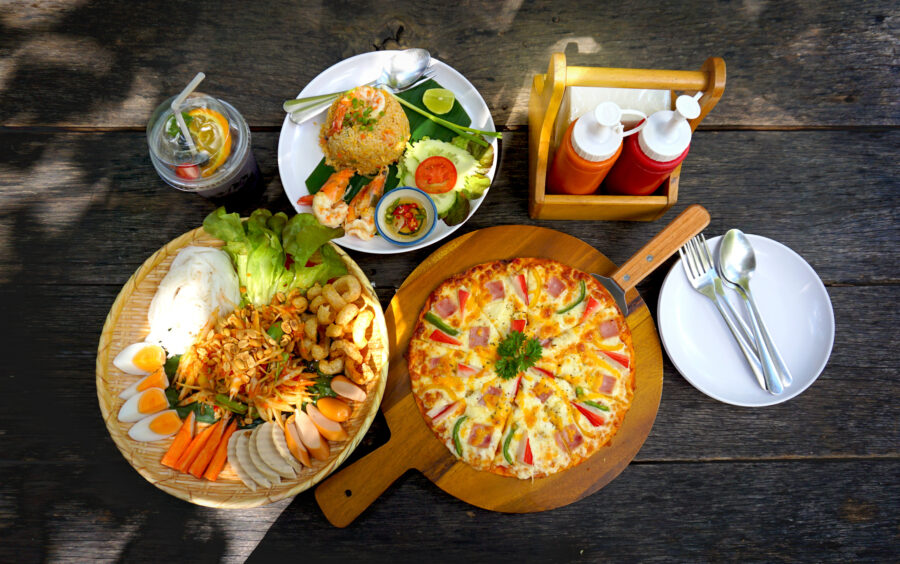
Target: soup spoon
(403,71)
(738,263)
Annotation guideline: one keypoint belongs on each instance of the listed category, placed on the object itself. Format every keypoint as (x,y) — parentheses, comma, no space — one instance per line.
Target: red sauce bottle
(588,150)
(650,157)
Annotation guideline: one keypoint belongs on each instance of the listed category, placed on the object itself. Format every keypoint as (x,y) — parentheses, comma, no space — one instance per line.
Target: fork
(701,273)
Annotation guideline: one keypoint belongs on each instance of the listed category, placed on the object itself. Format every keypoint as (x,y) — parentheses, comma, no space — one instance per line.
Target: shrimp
(370,97)
(328,204)
(361,213)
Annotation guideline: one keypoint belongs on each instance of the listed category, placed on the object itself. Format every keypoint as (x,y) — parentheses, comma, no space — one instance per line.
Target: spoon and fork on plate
(733,267)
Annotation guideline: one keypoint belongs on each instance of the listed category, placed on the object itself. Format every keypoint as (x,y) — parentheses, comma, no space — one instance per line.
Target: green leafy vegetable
(202,413)
(459,211)
(260,247)
(172,128)
(321,388)
(171,365)
(517,353)
(276,332)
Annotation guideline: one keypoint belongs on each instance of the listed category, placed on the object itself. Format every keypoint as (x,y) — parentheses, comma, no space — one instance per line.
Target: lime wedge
(438,100)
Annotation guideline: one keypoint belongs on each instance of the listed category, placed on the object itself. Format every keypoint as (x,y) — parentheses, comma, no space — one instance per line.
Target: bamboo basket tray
(127,323)
(546,96)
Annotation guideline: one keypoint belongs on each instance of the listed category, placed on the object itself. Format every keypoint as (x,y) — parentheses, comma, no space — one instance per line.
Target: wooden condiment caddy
(543,109)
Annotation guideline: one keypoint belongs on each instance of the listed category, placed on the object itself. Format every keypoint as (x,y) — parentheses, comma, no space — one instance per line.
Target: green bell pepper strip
(430,317)
(506,444)
(580,299)
(456,442)
(599,406)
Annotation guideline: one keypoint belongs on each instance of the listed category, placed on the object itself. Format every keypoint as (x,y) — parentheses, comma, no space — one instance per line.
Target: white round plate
(298,146)
(794,305)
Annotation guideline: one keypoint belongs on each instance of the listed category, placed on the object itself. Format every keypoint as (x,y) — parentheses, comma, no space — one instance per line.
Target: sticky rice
(200,282)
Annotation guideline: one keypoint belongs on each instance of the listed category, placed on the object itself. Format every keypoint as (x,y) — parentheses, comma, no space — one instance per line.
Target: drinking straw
(176,109)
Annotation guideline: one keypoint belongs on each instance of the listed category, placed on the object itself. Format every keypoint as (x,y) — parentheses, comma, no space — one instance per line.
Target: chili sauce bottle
(650,157)
(588,150)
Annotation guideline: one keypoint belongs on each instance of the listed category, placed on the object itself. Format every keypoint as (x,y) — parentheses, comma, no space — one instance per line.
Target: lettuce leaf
(260,247)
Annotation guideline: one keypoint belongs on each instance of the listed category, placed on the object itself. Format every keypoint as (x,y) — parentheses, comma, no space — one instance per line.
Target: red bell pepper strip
(595,419)
(441,337)
(620,358)
(591,306)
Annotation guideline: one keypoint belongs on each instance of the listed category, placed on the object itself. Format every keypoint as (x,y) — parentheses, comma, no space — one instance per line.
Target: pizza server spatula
(689,223)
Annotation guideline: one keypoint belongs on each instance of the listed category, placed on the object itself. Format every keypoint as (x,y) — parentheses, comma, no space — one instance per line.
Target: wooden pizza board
(349,492)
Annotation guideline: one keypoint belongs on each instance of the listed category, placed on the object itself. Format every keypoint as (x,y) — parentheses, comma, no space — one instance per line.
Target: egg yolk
(152,401)
(156,380)
(166,423)
(150,359)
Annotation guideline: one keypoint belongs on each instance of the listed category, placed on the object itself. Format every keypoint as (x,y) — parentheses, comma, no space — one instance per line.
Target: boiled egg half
(140,359)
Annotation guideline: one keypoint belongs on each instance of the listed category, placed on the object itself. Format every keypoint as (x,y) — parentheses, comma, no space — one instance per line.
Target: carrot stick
(209,449)
(182,440)
(189,455)
(218,461)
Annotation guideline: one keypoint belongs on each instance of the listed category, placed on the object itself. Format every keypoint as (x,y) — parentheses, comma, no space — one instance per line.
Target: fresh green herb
(456,442)
(599,406)
(171,365)
(430,317)
(276,332)
(321,388)
(581,296)
(506,444)
(173,130)
(231,405)
(516,354)
(203,413)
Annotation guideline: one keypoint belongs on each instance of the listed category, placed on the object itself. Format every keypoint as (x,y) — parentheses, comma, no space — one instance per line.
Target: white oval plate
(794,305)
(299,151)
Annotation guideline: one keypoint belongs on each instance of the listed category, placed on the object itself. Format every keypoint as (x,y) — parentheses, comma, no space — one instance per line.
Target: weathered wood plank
(833,511)
(94,202)
(99,64)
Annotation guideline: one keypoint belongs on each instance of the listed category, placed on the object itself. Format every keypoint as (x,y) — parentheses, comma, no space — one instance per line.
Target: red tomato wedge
(591,306)
(619,357)
(436,175)
(463,297)
(190,172)
(522,287)
(517,325)
(441,337)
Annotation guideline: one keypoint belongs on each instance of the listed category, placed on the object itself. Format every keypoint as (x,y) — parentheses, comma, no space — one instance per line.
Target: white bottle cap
(598,134)
(666,134)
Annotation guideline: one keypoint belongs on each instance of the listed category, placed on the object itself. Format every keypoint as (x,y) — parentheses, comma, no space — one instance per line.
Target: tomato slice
(190,172)
(436,175)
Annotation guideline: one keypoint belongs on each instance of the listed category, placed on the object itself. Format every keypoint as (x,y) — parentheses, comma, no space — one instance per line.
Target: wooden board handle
(346,494)
(688,223)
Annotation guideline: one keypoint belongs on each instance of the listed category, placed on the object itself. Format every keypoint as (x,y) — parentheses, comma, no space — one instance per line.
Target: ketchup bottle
(650,157)
(589,149)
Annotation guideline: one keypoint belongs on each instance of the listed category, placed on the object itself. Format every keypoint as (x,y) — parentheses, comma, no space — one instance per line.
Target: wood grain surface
(802,148)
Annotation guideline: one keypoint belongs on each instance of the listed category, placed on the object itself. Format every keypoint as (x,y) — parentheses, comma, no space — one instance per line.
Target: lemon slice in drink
(438,100)
(210,131)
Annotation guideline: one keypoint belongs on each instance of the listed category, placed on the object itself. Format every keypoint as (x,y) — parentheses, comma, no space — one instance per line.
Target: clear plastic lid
(218,137)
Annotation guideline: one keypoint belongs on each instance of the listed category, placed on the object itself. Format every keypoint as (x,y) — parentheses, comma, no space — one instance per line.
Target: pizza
(522,367)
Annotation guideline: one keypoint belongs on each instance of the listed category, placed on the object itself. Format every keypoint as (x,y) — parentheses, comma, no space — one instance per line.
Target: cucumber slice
(443,202)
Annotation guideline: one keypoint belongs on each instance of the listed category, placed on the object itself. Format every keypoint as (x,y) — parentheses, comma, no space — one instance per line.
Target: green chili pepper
(599,406)
(430,317)
(506,444)
(580,299)
(456,427)
(230,404)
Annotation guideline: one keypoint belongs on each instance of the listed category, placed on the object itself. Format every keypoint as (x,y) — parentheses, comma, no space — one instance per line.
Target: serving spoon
(400,73)
(737,262)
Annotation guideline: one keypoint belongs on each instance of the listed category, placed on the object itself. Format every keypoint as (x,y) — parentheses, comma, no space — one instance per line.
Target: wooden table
(803,148)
